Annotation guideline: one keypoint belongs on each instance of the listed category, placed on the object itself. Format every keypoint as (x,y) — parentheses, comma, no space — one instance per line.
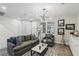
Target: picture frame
(70,26)
(61,22)
(60,31)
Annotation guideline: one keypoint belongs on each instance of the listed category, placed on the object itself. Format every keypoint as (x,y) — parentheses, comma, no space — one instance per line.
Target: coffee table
(39,50)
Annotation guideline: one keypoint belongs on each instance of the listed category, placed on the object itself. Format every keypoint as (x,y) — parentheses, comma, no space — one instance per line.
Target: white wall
(8,28)
(74,45)
(74,41)
(12,27)
(68,20)
(4,33)
(29,27)
(77,26)
(26,27)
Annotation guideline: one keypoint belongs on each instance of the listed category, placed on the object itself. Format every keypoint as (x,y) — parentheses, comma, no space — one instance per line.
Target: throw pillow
(18,40)
(13,40)
(33,37)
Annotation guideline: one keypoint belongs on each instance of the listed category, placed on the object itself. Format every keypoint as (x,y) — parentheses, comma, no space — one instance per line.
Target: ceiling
(27,10)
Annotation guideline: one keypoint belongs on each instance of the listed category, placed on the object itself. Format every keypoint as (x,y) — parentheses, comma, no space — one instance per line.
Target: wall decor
(61,22)
(75,33)
(60,31)
(70,26)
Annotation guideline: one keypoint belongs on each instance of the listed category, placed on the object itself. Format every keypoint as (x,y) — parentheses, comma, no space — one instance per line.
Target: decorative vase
(40,47)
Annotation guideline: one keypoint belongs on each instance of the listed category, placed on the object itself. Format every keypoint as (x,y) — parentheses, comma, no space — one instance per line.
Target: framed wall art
(60,31)
(70,26)
(61,22)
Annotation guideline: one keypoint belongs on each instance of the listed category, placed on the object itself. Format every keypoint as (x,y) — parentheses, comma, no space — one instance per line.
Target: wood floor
(56,50)
(59,50)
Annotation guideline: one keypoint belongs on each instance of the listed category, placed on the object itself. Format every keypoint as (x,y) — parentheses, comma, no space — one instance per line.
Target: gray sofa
(17,46)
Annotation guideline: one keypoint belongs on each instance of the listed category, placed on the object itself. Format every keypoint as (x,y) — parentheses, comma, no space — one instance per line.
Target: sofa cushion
(26,38)
(48,36)
(33,41)
(33,37)
(23,45)
(12,40)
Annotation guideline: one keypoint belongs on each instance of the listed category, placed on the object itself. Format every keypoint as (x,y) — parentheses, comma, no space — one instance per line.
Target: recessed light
(50,17)
(3,7)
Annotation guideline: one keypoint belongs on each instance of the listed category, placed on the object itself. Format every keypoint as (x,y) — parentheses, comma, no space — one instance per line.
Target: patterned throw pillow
(13,40)
(33,37)
(18,40)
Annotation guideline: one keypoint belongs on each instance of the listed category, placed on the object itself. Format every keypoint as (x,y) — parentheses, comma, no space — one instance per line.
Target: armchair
(48,39)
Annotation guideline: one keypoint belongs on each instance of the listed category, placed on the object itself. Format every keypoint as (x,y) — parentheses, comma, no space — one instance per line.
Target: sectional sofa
(19,45)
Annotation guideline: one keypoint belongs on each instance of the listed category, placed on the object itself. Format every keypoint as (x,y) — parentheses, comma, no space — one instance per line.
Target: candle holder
(42,44)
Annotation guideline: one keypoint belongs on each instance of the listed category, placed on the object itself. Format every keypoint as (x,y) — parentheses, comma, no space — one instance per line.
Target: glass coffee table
(39,50)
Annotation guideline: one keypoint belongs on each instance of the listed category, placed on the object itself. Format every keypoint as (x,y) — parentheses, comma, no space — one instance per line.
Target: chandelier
(44,14)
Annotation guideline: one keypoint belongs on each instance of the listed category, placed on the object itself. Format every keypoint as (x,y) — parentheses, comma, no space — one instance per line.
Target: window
(50,27)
